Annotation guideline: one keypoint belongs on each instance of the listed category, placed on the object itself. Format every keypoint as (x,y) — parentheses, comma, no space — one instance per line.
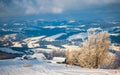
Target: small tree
(94,50)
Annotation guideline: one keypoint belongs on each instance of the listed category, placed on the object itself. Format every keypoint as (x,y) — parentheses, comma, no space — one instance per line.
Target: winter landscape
(59,37)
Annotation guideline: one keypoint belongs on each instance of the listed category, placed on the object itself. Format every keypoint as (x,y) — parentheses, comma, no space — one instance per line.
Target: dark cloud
(26,7)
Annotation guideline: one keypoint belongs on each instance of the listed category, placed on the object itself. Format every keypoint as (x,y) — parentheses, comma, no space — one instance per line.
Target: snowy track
(16,67)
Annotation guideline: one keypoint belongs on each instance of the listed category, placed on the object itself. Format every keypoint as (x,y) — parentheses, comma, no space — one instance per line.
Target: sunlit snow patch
(52,27)
(77,36)
(54,37)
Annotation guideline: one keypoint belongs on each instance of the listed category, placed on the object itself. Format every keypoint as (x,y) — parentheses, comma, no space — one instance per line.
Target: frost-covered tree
(95,50)
(93,53)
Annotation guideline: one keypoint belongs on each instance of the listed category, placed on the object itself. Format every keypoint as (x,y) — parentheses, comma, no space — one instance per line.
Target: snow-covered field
(41,67)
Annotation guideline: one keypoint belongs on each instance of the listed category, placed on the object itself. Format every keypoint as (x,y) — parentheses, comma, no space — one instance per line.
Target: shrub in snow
(95,50)
(71,57)
(58,53)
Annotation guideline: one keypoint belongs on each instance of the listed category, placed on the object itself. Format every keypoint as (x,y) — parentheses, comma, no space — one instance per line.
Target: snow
(95,24)
(8,50)
(71,21)
(52,27)
(16,67)
(113,22)
(5,24)
(17,24)
(116,27)
(78,29)
(77,36)
(54,37)
(113,34)
(37,50)
(59,59)
(71,47)
(33,38)
(32,42)
(9,36)
(39,56)
(53,47)
(114,47)
(17,44)
(81,25)
(35,67)
(94,29)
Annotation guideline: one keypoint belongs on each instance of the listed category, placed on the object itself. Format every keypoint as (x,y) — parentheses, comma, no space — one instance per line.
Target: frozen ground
(38,67)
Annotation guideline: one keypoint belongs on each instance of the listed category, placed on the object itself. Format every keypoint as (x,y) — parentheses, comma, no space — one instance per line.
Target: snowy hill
(54,35)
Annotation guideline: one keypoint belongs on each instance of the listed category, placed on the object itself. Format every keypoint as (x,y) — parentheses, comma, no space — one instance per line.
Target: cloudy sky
(31,7)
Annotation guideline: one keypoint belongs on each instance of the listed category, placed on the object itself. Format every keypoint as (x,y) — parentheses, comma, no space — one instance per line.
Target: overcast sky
(29,7)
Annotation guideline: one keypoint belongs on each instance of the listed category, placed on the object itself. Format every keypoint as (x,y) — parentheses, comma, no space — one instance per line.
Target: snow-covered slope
(54,37)
(33,42)
(35,67)
(8,50)
(77,36)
